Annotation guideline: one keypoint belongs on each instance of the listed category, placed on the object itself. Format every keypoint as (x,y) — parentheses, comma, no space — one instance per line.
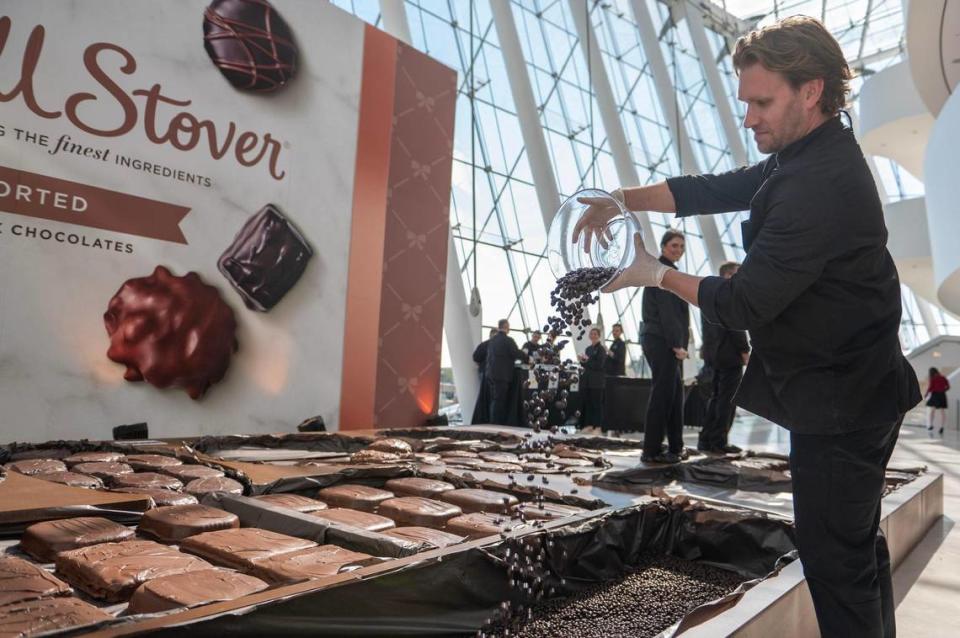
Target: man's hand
(680,353)
(594,220)
(646,270)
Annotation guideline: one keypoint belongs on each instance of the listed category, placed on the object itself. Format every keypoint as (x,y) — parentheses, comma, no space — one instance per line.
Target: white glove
(646,270)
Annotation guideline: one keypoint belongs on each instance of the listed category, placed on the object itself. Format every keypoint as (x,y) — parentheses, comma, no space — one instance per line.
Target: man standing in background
(616,365)
(502,354)
(725,351)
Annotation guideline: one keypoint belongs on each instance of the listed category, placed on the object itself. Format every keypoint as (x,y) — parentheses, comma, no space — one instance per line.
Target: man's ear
(812,91)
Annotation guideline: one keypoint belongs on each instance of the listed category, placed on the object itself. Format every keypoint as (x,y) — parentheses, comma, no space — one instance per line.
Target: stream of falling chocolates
(528,570)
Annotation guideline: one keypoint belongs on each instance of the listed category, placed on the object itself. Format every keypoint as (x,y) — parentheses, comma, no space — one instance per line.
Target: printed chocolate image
(250,43)
(266,259)
(171,331)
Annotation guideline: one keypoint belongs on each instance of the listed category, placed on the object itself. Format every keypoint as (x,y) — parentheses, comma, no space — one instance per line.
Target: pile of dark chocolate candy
(659,591)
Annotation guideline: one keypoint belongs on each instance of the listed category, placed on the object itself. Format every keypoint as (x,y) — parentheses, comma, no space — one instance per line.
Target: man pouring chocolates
(819,293)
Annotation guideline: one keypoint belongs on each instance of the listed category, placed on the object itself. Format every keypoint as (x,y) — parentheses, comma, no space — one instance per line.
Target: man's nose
(750,119)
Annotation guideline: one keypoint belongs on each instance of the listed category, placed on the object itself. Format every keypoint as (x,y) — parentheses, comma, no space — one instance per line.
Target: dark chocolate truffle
(250,43)
(171,331)
(266,259)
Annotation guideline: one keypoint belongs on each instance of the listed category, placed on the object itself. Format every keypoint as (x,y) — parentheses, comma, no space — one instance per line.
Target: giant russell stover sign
(204,213)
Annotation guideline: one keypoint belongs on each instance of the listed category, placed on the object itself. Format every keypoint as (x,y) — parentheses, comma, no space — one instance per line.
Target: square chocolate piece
(151,480)
(172,524)
(32,617)
(45,540)
(31,467)
(151,462)
(266,259)
(202,486)
(21,580)
(102,470)
(160,498)
(419,511)
(192,589)
(358,497)
(418,486)
(94,457)
(472,500)
(356,518)
(187,473)
(293,502)
(432,538)
(236,548)
(316,562)
(112,571)
(72,479)
(479,525)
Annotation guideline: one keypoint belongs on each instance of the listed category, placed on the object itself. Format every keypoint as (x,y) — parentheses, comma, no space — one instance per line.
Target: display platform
(466,499)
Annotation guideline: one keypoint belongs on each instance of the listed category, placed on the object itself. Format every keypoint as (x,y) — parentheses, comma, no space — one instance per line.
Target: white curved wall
(909,245)
(943,202)
(894,122)
(931,40)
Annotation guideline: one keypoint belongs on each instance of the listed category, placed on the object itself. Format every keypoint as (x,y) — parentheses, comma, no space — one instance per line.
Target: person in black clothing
(664,337)
(820,295)
(502,353)
(617,356)
(593,380)
(725,352)
(531,347)
(481,410)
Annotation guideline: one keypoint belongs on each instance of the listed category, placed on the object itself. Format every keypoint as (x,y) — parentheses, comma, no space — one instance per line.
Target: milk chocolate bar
(161,498)
(478,525)
(358,497)
(94,457)
(192,589)
(236,548)
(419,511)
(73,479)
(418,486)
(36,466)
(187,473)
(432,538)
(172,524)
(202,486)
(45,540)
(33,617)
(356,518)
(151,480)
(21,580)
(266,259)
(112,571)
(293,501)
(316,562)
(471,500)
(151,462)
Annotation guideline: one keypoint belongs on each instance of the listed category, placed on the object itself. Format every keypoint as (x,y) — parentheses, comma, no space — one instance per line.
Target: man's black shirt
(818,290)
(501,355)
(722,348)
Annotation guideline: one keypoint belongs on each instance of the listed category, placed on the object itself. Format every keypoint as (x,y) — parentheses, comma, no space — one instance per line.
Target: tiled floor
(927,584)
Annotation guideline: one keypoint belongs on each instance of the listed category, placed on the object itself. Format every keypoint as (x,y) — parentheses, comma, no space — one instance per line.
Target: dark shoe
(731,449)
(684,454)
(666,458)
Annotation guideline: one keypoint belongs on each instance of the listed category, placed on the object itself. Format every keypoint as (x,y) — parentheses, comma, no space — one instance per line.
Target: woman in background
(937,386)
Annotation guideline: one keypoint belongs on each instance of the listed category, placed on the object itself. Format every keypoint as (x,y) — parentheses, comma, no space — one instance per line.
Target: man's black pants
(838,482)
(499,398)
(665,408)
(720,409)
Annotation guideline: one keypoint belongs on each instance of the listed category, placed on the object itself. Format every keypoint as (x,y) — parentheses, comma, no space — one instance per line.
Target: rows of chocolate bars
(189,555)
(165,479)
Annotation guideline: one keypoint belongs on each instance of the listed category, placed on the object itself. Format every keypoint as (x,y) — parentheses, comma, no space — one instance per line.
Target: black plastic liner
(315,441)
(453,594)
(764,472)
